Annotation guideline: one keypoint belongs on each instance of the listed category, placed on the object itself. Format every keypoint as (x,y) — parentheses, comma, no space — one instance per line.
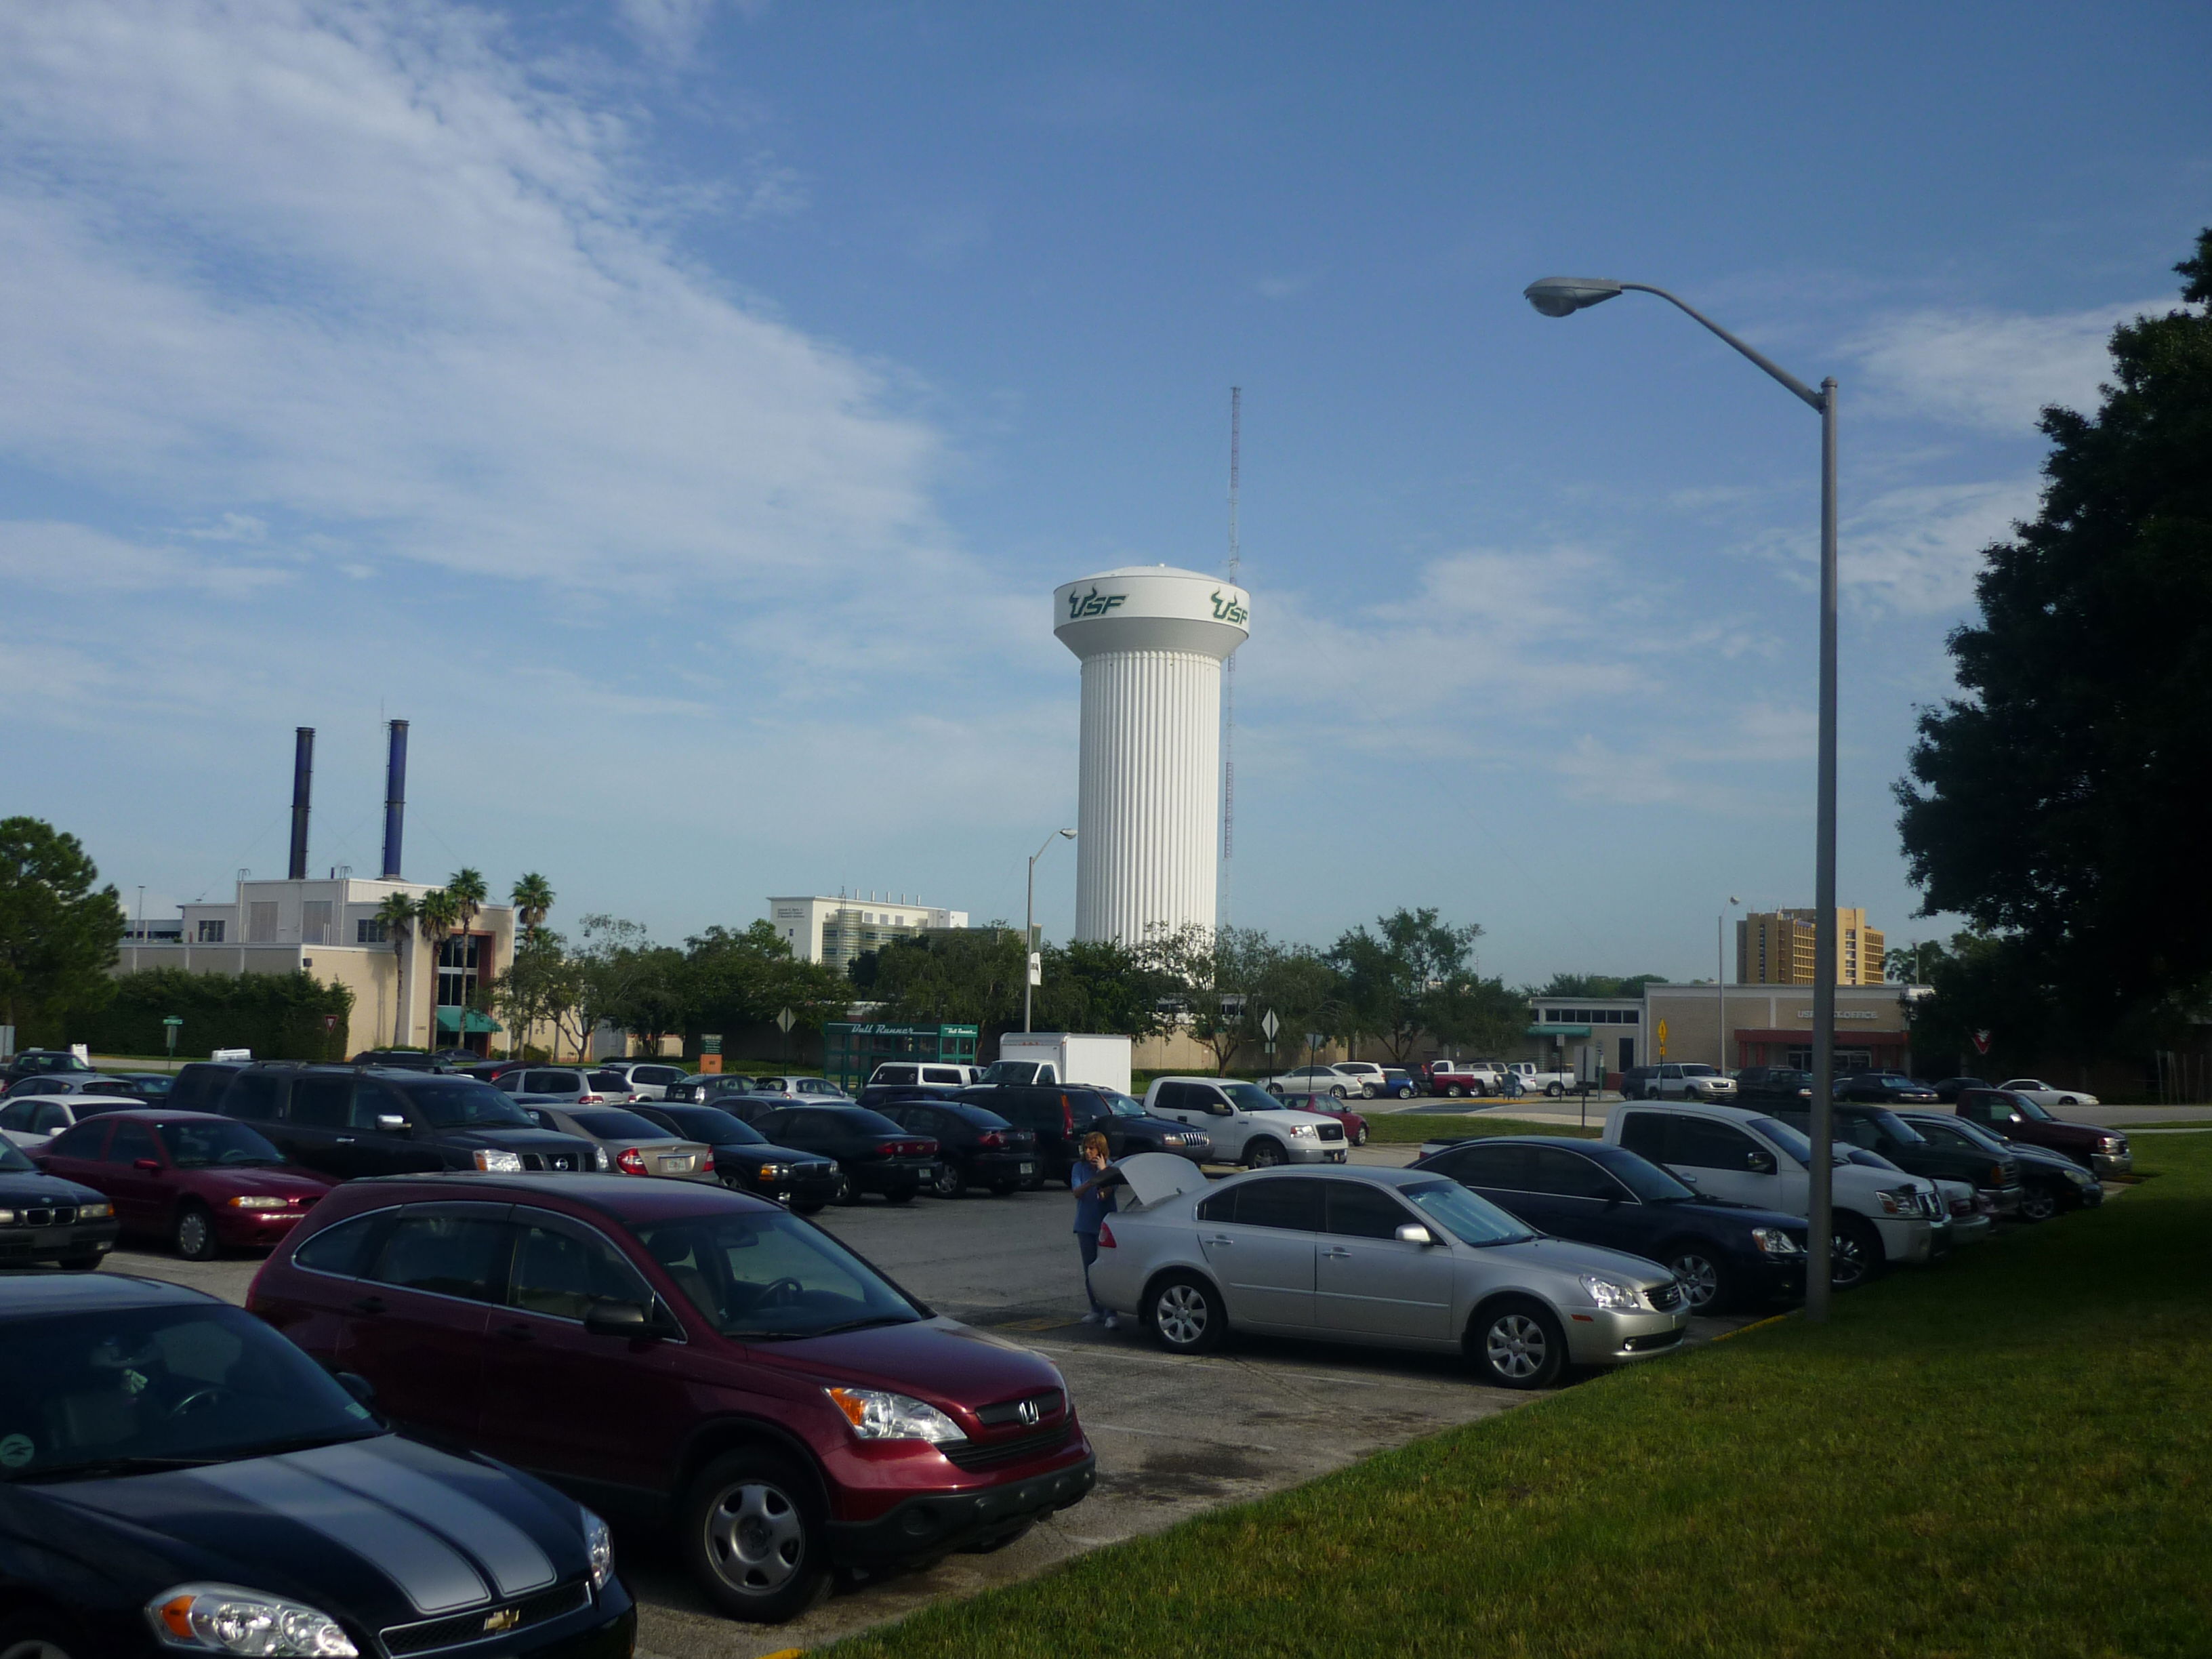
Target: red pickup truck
(1455,1078)
(2008,1113)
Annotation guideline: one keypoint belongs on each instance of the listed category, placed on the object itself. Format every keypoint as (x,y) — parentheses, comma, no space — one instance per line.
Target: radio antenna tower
(1229,668)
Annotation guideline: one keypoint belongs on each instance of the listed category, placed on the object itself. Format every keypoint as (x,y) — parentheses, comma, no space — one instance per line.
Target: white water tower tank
(1152,640)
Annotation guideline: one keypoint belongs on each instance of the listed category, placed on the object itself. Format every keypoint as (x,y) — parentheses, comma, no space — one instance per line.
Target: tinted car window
(614,1081)
(132,1141)
(769,1276)
(1569,1174)
(610,1123)
(216,1143)
(251,1096)
(562,1273)
(1219,1206)
(705,1123)
(551,1083)
(458,1103)
(321,1101)
(1293,1202)
(656,1075)
(1503,1167)
(448,1254)
(83,1141)
(1359,1211)
(1645,1133)
(342,1249)
(1705,1144)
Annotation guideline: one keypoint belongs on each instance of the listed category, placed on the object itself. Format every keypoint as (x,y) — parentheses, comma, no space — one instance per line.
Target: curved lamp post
(1562,296)
(1028,924)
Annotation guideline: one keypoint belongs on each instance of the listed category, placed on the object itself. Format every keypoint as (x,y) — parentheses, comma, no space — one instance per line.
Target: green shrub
(277,1015)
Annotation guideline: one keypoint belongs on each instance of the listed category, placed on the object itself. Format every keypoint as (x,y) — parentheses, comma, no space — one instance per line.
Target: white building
(835,931)
(1152,640)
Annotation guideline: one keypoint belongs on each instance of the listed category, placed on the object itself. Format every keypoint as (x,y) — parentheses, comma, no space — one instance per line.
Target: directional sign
(1663,1030)
(785,1020)
(1661,1035)
(1270,1024)
(1982,1042)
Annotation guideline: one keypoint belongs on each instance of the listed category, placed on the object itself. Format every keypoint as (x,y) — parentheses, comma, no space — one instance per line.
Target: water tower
(1152,640)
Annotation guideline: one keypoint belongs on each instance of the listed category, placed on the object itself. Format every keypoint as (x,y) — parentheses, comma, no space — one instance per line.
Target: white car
(1310,1081)
(31,1121)
(1386,1258)
(2046,1096)
(1246,1124)
(648,1079)
(1363,1076)
(1882,1216)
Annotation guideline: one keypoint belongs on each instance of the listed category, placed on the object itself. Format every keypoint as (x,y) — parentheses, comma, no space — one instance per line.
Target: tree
(437,916)
(739,980)
(1596,985)
(542,987)
(58,931)
(1392,976)
(467,887)
(397,916)
(532,898)
(2059,802)
(1213,977)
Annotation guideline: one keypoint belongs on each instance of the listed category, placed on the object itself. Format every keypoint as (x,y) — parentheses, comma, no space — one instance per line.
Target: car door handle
(1218,1239)
(369,1304)
(517,1332)
(345,1141)
(1342,1255)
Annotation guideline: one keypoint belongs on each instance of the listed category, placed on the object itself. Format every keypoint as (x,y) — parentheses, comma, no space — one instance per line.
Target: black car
(1773,1085)
(872,1153)
(1994,1177)
(2049,1182)
(744,1157)
(709,1086)
(1060,1118)
(877,1096)
(1948,1089)
(41,1062)
(976,1147)
(46,1218)
(176,1477)
(200,1084)
(348,1122)
(1885,1089)
(1725,1255)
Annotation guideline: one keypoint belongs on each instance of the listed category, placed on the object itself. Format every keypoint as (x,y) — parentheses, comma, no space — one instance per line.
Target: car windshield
(1699,1070)
(13,1162)
(610,1124)
(217,1143)
(766,1276)
(458,1102)
(1899,1127)
(1987,1139)
(150,1388)
(1651,1183)
(1791,1079)
(709,1124)
(1789,1139)
(2029,1109)
(1470,1219)
(1251,1097)
(1121,1105)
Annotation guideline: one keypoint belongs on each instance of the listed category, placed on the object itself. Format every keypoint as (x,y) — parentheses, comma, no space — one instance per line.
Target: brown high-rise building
(1775,947)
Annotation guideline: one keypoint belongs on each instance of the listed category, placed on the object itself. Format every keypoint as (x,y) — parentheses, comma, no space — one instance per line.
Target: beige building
(839,931)
(328,928)
(1733,1026)
(1775,947)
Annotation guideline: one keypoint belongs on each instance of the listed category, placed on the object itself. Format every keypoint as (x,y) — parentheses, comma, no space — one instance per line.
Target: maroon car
(198,1180)
(2008,1113)
(1355,1126)
(687,1354)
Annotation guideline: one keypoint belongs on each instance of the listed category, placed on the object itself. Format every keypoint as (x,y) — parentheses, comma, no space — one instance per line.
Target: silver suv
(1246,1123)
(648,1079)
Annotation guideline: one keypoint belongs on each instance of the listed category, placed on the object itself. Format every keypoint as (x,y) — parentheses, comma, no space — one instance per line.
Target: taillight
(1066,1115)
(991,1138)
(1105,1235)
(591,1100)
(707,1164)
(630,1161)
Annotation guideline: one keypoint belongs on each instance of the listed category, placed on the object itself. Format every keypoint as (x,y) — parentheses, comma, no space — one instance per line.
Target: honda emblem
(1027,1411)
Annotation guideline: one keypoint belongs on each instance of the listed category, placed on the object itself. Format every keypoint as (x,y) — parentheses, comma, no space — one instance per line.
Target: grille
(1050,1405)
(440,1633)
(1665,1298)
(48,1215)
(994,1454)
(1332,1132)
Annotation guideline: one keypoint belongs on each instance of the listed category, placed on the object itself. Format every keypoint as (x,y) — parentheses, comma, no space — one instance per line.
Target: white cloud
(354,268)
(1918,549)
(1990,369)
(69,558)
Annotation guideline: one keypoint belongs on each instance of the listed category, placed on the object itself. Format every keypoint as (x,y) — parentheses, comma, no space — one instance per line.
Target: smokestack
(303,778)
(395,798)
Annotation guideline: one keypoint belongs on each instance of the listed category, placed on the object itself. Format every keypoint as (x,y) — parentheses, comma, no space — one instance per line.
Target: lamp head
(1562,296)
(1070,834)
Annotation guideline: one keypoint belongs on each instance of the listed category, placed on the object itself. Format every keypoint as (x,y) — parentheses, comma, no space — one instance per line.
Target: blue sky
(681,413)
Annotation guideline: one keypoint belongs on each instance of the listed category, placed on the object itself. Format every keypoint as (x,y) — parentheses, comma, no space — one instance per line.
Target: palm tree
(397,915)
(533,896)
(467,887)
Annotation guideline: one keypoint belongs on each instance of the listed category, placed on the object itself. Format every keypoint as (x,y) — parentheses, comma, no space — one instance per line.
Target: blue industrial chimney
(303,775)
(395,798)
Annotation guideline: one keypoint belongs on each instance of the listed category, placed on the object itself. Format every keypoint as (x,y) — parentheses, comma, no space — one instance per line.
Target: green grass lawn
(2009,1453)
(1417,1127)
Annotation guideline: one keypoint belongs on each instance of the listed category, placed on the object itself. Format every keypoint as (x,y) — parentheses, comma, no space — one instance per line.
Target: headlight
(1304,1131)
(1612,1293)
(876,1415)
(255,1201)
(8,1218)
(1903,1201)
(1774,1241)
(224,1618)
(599,1544)
(499,1163)
(84,1212)
(2112,1144)
(775,1172)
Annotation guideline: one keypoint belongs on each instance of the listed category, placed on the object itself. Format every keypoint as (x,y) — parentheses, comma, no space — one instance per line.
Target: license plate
(677,1165)
(1029,1168)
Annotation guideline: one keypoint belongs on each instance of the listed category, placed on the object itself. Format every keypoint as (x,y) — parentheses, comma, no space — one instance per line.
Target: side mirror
(617,1319)
(358,1386)
(146,1165)
(1761,1163)
(1413,1233)
(390,1123)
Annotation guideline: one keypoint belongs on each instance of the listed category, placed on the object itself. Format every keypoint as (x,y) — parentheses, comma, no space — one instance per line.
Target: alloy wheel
(1847,1262)
(755,1538)
(1700,1279)
(1515,1345)
(2037,1204)
(1181,1315)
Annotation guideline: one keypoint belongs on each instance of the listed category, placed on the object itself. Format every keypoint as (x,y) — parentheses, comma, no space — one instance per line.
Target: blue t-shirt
(1092,1208)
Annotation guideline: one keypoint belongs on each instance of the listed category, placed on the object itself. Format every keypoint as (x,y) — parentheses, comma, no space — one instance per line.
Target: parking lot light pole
(1562,296)
(1029,924)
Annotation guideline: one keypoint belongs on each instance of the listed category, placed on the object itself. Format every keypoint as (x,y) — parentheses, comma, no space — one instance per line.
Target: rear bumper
(937,1522)
(20,1246)
(900,1176)
(989,1169)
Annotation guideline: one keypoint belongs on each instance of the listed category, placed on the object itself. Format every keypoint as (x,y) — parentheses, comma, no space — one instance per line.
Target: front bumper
(255,1229)
(1773,1278)
(2109,1164)
(1602,1337)
(21,1246)
(1908,1239)
(1970,1229)
(1317,1151)
(2005,1200)
(938,1522)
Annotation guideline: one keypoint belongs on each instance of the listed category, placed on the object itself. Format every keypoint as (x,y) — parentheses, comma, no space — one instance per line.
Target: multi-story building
(837,930)
(1775,947)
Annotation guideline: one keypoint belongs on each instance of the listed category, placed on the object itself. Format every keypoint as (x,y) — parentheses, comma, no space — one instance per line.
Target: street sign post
(1661,1035)
(1268,1026)
(710,1054)
(170,1027)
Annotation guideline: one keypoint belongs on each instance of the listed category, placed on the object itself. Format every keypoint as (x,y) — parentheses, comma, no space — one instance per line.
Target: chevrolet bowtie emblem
(505,1618)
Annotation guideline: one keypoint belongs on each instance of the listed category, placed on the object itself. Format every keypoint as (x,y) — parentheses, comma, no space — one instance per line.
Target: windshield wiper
(827,1330)
(93,1468)
(300,1443)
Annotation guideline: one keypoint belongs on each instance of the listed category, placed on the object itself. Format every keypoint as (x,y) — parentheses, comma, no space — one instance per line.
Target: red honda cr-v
(687,1353)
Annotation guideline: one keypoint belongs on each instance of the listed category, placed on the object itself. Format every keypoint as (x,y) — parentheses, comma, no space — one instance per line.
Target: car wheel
(1368,1091)
(194,1236)
(1707,1285)
(846,1192)
(1555,1090)
(1855,1254)
(1360,1138)
(1336,1091)
(1453,1091)
(901,1194)
(753,1538)
(37,1635)
(1519,1345)
(949,1182)
(2068,1100)
(1265,1155)
(2038,1204)
(1276,1090)
(1186,1315)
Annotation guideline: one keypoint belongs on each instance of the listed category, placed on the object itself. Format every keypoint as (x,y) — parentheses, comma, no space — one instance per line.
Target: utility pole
(1229,673)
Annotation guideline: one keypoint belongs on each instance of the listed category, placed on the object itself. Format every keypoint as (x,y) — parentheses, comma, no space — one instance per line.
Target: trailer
(1042,1057)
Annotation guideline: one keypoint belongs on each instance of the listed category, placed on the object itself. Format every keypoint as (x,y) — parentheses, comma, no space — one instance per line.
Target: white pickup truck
(1536,1082)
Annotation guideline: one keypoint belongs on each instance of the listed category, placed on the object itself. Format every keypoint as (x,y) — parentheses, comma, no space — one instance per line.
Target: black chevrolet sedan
(45,1218)
(176,1477)
(744,1157)
(1725,1255)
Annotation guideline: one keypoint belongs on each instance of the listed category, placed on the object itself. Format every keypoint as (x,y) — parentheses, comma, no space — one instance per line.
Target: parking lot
(1174,1435)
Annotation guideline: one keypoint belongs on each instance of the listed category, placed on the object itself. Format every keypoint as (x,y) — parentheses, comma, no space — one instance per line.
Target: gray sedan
(1393,1258)
(633,1145)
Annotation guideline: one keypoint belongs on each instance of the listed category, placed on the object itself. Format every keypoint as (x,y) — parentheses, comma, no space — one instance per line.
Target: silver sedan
(1392,1257)
(632,1145)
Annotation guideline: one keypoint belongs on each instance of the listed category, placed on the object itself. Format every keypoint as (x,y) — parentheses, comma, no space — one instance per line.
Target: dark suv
(1061,1117)
(1877,1129)
(347,1123)
(1885,1089)
(41,1062)
(683,1353)
(1774,1085)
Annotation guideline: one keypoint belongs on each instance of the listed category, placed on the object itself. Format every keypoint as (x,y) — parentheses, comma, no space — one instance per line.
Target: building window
(368,931)
(261,921)
(457,971)
(211,933)
(314,921)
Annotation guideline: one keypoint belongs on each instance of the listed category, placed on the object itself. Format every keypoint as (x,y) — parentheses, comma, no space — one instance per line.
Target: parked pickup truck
(1553,1084)
(1877,1129)
(1457,1077)
(2008,1113)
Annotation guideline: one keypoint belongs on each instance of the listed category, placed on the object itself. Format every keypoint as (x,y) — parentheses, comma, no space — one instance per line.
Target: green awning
(456,1020)
(1558,1030)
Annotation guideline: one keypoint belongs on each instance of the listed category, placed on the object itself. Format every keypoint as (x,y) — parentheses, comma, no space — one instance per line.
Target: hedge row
(277,1015)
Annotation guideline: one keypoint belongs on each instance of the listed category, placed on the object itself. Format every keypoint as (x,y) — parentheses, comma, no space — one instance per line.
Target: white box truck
(1102,1062)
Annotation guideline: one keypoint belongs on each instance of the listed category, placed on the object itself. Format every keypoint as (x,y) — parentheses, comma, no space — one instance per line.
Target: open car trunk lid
(1153,1176)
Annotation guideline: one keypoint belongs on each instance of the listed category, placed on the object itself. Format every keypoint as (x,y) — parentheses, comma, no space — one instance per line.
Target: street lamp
(1562,296)
(1720,975)
(1028,926)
